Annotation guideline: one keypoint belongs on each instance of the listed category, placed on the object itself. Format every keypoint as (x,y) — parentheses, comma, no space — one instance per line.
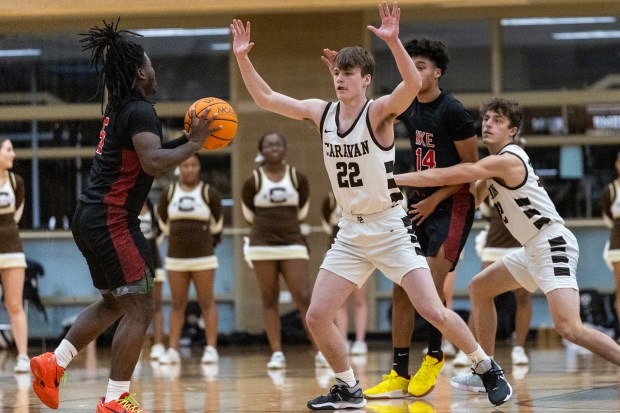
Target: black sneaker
(341,396)
(498,388)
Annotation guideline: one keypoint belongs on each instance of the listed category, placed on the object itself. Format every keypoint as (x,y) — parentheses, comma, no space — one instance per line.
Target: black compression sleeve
(175,143)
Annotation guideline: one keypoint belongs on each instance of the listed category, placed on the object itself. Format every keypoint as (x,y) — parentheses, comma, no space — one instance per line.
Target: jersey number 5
(106,121)
(348,175)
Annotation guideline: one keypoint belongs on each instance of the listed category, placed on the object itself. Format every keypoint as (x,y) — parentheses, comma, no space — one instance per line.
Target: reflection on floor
(558,379)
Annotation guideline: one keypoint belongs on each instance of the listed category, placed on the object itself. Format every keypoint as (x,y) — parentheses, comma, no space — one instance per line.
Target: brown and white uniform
(191,219)
(275,210)
(150,228)
(548,258)
(499,241)
(11,208)
(610,206)
(330,216)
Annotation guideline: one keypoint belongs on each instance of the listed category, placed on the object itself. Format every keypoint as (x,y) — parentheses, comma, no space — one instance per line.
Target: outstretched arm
(394,104)
(508,168)
(260,91)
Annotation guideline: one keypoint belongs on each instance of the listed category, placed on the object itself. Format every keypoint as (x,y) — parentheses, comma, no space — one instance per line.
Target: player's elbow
(153,168)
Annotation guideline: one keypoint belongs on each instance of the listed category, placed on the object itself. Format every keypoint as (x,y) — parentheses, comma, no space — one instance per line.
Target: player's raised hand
(241,38)
(389,22)
(328,58)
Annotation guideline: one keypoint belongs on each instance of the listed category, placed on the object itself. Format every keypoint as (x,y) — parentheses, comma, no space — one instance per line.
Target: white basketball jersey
(615,202)
(360,170)
(189,204)
(527,208)
(276,194)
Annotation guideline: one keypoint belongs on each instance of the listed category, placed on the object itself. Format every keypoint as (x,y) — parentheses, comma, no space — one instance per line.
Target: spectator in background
(331,214)
(151,230)
(191,213)
(12,258)
(610,207)
(275,202)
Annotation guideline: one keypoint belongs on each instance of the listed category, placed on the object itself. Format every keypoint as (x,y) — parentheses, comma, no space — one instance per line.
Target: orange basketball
(226,117)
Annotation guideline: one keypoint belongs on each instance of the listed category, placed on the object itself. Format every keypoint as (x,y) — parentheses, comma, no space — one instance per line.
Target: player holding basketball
(358,150)
(106,226)
(548,258)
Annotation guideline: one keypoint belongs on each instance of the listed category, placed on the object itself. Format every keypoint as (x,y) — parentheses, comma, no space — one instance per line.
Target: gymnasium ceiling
(63,15)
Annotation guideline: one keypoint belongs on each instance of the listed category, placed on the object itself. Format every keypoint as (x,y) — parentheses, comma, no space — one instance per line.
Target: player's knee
(178,305)
(315,318)
(569,330)
(436,315)
(478,290)
(14,307)
(270,301)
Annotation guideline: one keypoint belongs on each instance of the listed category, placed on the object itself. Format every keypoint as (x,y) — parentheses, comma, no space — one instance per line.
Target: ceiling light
(172,32)
(591,35)
(220,47)
(20,52)
(546,21)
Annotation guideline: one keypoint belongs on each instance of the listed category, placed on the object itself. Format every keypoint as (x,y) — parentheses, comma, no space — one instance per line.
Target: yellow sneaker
(387,406)
(393,386)
(424,380)
(421,407)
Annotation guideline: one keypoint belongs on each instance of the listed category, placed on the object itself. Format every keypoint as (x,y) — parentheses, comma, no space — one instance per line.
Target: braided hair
(119,58)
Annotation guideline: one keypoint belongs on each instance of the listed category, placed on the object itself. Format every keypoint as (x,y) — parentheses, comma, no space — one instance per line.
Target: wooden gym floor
(557,380)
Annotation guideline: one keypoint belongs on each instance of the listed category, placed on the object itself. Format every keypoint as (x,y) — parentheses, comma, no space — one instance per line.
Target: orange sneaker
(47,377)
(125,404)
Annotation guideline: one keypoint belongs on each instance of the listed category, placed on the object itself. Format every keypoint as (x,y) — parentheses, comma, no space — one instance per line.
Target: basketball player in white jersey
(358,149)
(548,258)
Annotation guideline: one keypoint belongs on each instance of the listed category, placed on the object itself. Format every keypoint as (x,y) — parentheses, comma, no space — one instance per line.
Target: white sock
(480,362)
(64,353)
(116,389)
(348,377)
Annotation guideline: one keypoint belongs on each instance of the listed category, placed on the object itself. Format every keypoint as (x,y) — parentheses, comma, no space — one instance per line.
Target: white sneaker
(461,360)
(22,364)
(320,361)
(171,356)
(469,382)
(277,361)
(210,355)
(157,350)
(359,347)
(518,356)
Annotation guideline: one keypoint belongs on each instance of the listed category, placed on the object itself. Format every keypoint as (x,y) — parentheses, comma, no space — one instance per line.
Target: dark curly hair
(434,50)
(505,107)
(119,58)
